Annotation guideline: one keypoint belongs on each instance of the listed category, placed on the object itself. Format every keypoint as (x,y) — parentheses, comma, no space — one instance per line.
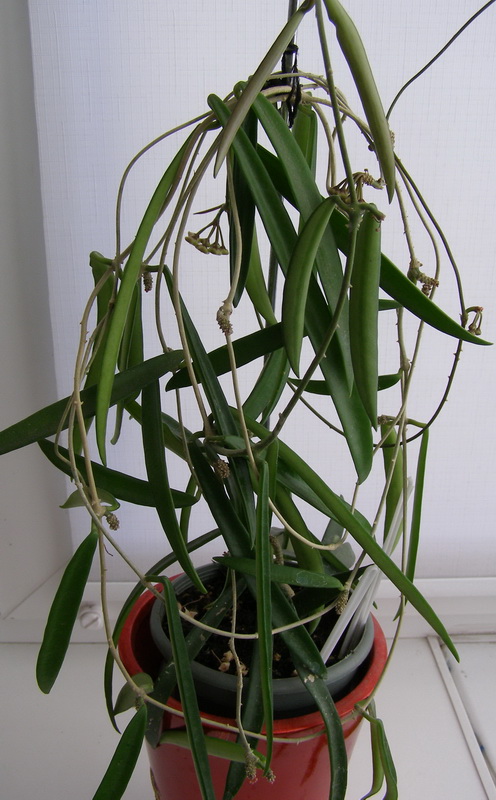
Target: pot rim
(338,676)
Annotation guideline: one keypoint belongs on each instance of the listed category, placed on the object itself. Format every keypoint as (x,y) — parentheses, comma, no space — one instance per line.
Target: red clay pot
(302,771)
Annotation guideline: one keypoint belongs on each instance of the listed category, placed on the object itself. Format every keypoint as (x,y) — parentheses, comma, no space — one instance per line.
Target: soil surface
(216,653)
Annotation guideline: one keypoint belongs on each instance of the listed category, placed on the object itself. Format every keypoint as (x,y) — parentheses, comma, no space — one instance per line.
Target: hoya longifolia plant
(295,229)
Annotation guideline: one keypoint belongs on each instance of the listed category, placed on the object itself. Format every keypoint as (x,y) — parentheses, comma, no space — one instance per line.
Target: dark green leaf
(63,613)
(76,500)
(256,285)
(252,720)
(45,422)
(321,387)
(124,487)
(304,130)
(123,762)
(222,748)
(268,387)
(334,729)
(294,576)
(246,349)
(308,198)
(188,695)
(364,312)
(246,213)
(238,542)
(413,542)
(396,284)
(127,697)
(392,454)
(223,511)
(377,766)
(382,754)
(263,559)
(156,468)
(257,80)
(356,56)
(308,558)
(278,175)
(386,381)
(130,275)
(297,281)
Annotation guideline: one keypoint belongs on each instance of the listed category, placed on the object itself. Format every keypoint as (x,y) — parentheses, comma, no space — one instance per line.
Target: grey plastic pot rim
(290,695)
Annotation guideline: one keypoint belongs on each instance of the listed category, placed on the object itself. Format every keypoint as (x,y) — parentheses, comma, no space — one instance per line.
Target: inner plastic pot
(217,690)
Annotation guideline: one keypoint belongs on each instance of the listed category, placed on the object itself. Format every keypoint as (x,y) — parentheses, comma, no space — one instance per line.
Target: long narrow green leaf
(269,386)
(263,559)
(257,80)
(298,279)
(63,613)
(221,748)
(171,430)
(386,381)
(123,762)
(321,387)
(304,130)
(185,516)
(251,720)
(371,547)
(124,487)
(246,349)
(99,266)
(46,422)
(294,576)
(130,276)
(278,175)
(417,506)
(126,698)
(246,214)
(364,313)
(395,490)
(356,56)
(334,729)
(187,693)
(131,349)
(275,218)
(396,284)
(256,285)
(383,753)
(308,558)
(156,468)
(377,766)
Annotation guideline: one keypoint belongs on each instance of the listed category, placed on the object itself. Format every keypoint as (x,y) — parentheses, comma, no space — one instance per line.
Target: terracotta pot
(302,771)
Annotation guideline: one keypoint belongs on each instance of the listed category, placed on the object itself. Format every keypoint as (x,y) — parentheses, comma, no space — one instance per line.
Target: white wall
(33,541)
(110,76)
